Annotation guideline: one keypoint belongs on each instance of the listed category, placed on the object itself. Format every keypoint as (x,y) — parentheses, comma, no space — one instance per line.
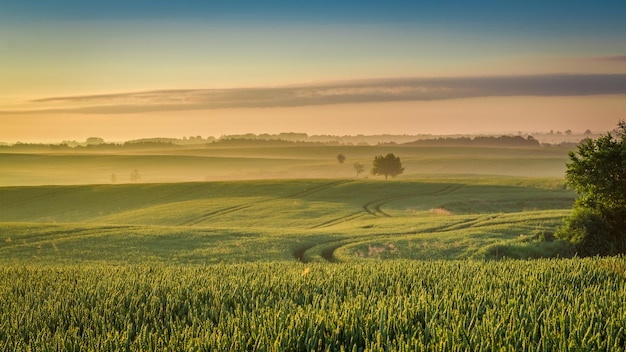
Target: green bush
(616,218)
(536,245)
(598,173)
(589,232)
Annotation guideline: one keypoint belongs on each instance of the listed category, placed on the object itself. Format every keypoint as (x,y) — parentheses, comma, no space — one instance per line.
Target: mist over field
(250,157)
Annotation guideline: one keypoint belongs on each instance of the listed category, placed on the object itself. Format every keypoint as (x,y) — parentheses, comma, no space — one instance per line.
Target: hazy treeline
(250,139)
(346,139)
(487,141)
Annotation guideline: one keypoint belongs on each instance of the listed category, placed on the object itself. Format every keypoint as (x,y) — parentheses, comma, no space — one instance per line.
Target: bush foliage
(598,173)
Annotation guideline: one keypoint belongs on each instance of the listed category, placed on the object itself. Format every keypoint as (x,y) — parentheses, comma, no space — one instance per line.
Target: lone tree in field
(135,176)
(359,168)
(597,172)
(341,158)
(388,165)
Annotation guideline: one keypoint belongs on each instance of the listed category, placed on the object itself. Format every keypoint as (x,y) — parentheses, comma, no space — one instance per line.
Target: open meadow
(304,257)
(253,160)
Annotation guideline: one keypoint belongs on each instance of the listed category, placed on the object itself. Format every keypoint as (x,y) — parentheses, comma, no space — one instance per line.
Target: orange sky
(120,70)
(477,115)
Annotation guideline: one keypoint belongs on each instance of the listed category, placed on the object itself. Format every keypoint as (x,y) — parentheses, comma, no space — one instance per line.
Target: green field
(268,220)
(322,262)
(543,305)
(253,162)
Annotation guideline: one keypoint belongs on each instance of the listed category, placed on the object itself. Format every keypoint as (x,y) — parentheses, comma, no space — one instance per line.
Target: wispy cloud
(353,92)
(618,58)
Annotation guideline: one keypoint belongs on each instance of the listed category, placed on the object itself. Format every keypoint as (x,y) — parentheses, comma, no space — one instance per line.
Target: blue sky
(604,14)
(158,43)
(51,49)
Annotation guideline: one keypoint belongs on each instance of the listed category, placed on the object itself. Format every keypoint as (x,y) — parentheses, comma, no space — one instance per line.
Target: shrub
(589,232)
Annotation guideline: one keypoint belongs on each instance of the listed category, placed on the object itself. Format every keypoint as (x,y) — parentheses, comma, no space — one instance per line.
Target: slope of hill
(267,220)
(270,161)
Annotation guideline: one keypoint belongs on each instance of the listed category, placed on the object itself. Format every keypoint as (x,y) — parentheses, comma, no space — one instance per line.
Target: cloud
(352,92)
(618,58)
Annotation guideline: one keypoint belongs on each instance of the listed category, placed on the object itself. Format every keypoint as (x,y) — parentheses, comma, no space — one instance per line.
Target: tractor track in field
(326,253)
(236,208)
(374,207)
(174,196)
(316,189)
(328,248)
(340,220)
(60,235)
(64,190)
(219,212)
(299,252)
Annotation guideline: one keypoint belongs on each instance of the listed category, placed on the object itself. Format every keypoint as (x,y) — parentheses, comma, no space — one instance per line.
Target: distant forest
(283,139)
(490,141)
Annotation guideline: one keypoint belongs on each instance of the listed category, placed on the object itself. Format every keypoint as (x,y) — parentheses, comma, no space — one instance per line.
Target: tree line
(482,141)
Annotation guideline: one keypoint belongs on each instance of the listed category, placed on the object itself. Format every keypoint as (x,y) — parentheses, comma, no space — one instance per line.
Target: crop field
(242,162)
(542,305)
(304,220)
(433,262)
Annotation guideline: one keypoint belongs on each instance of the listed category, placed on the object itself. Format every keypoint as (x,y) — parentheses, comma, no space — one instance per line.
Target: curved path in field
(235,208)
(374,207)
(316,189)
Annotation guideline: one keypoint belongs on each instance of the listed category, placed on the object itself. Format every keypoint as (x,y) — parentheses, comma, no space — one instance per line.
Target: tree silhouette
(388,165)
(341,158)
(135,176)
(359,168)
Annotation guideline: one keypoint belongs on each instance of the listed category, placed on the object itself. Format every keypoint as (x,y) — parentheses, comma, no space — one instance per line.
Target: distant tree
(135,176)
(71,144)
(597,226)
(94,141)
(113,178)
(359,168)
(587,132)
(341,158)
(388,165)
(568,132)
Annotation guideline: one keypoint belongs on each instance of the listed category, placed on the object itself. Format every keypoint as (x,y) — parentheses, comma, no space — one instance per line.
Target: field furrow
(340,220)
(317,189)
(215,213)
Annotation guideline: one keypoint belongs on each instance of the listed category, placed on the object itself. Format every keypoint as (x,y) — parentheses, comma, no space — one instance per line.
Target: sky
(121,70)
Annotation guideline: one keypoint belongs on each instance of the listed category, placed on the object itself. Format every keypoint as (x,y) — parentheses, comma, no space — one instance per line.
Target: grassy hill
(245,265)
(242,162)
(266,220)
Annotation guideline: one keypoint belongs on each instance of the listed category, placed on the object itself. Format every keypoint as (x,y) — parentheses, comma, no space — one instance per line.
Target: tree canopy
(598,173)
(388,165)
